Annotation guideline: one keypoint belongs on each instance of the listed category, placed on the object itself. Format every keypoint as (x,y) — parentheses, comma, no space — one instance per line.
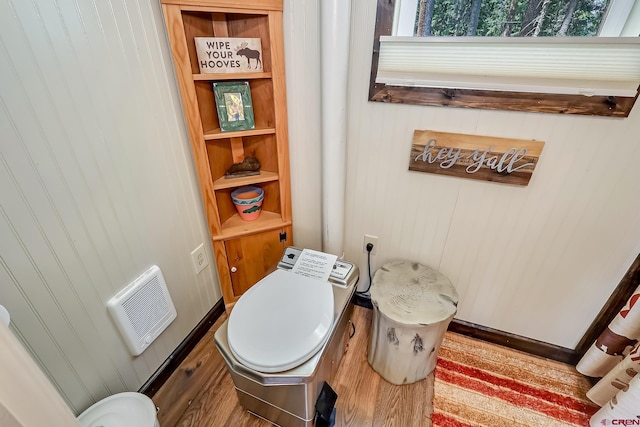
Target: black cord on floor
(363,293)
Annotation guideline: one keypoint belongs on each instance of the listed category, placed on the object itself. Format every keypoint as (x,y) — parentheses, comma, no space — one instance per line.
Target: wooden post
(413,305)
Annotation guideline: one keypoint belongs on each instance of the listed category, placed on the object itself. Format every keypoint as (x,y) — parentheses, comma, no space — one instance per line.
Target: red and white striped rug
(484,385)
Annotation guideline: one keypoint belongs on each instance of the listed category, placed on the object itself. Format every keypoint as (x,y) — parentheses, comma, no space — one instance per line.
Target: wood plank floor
(200,392)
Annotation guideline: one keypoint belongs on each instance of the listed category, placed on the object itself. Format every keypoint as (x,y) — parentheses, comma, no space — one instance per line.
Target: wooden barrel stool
(412,307)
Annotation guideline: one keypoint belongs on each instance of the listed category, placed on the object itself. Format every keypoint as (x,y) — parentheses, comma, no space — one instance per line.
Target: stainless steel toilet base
(288,398)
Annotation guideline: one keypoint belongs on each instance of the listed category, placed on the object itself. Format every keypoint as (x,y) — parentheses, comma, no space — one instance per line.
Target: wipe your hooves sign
(505,160)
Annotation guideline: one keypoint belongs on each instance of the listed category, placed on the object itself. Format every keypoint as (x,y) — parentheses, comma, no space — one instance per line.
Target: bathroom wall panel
(96,185)
(57,366)
(47,285)
(538,261)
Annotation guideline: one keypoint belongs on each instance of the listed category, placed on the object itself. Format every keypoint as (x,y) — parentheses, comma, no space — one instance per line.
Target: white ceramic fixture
(4,316)
(127,409)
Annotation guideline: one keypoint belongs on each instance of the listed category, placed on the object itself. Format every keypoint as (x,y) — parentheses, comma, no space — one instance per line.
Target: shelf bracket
(237,150)
(219,21)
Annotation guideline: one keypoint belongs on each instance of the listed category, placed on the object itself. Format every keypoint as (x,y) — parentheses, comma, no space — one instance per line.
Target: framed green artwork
(233,102)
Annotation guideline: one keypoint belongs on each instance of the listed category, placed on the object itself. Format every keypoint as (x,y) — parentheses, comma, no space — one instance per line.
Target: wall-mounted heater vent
(142,310)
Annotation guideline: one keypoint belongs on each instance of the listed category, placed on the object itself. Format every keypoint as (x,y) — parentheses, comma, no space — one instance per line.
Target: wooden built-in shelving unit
(244,250)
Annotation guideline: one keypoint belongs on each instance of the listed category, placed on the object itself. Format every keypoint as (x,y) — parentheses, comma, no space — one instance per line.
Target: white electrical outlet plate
(199,257)
(370,239)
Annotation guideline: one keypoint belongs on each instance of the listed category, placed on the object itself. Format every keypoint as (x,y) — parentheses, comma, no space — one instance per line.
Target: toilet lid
(127,409)
(281,322)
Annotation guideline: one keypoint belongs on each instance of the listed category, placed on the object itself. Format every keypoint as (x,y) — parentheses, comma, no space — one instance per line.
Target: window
(513,18)
(575,75)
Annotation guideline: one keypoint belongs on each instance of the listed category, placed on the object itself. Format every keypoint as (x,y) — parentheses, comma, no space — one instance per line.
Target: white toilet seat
(281,322)
(128,409)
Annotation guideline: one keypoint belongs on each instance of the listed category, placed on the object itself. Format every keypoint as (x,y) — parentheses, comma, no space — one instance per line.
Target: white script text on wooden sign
(506,160)
(228,55)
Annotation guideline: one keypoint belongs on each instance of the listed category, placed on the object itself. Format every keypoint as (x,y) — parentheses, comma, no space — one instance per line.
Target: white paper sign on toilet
(314,264)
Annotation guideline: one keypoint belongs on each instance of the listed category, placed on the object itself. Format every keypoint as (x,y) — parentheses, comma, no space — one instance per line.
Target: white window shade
(568,65)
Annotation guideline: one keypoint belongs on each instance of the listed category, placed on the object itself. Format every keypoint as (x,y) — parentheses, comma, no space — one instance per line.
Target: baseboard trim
(618,299)
(516,342)
(172,363)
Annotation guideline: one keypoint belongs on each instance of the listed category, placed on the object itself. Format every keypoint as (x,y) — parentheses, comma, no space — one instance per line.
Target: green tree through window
(509,18)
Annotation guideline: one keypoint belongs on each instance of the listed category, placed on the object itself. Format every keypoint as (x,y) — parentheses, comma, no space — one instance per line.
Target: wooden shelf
(235,226)
(231,76)
(218,134)
(253,246)
(265,176)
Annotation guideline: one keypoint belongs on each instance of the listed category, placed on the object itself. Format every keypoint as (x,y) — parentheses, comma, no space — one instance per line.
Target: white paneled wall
(538,261)
(96,185)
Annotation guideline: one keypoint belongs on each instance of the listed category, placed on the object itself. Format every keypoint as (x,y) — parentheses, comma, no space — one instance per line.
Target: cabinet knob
(234,269)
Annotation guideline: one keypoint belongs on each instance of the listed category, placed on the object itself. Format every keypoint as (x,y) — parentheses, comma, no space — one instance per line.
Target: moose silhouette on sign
(250,54)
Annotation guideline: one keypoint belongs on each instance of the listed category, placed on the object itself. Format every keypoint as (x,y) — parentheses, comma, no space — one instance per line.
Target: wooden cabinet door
(252,257)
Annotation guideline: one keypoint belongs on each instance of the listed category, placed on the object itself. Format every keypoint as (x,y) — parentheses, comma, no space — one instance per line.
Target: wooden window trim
(609,106)
(616,302)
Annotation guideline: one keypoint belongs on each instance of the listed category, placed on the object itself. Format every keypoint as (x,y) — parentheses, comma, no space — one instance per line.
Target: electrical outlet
(199,257)
(370,239)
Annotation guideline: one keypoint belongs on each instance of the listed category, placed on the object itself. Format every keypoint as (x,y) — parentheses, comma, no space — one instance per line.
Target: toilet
(128,409)
(284,339)
(281,322)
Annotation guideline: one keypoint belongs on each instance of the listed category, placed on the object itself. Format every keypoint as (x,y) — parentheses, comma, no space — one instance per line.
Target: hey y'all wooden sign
(506,160)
